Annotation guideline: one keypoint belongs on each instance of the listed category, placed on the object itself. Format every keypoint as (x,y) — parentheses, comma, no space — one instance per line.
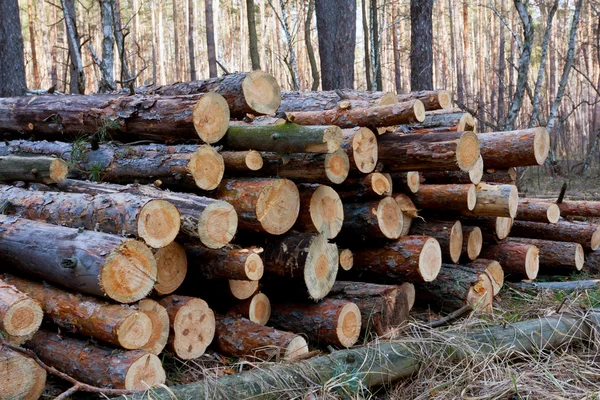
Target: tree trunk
(210,39)
(160,325)
(449,235)
(254,56)
(232,262)
(507,176)
(332,99)
(89,262)
(432,100)
(107,64)
(20,315)
(444,121)
(375,47)
(584,233)
(556,258)
(579,208)
(472,242)
(176,55)
(171,268)
(406,182)
(369,77)
(33,169)
(21,377)
(242,162)
(519,261)
(538,211)
(314,70)
(374,219)
(514,149)
(191,46)
(368,187)
(77,77)
(446,197)
(99,366)
(257,309)
(421,45)
(495,201)
(492,269)
(321,211)
(32,41)
(474,176)
(12,60)
(127,80)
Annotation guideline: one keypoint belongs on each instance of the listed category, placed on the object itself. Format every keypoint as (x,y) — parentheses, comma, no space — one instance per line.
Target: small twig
(450,317)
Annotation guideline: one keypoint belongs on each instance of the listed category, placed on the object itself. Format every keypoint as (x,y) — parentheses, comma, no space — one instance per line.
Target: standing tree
(336,23)
(314,70)
(191,40)
(254,57)
(77,82)
(12,62)
(421,45)
(366,43)
(375,48)
(210,39)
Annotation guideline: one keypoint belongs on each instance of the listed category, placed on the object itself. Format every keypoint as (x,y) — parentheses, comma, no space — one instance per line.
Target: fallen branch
(450,317)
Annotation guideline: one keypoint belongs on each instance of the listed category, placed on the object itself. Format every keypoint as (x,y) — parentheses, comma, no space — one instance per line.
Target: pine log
(305,257)
(372,186)
(214,222)
(446,197)
(240,162)
(231,262)
(442,121)
(99,366)
(255,92)
(519,261)
(409,259)
(241,337)
(556,258)
(409,212)
(21,378)
(327,100)
(454,177)
(407,182)
(383,308)
(331,322)
(171,268)
(443,151)
(263,205)
(515,148)
(586,234)
(375,219)
(538,211)
(192,325)
(321,211)
(256,309)
(88,316)
(449,235)
(492,269)
(431,99)
(122,118)
(474,242)
(346,259)
(360,145)
(160,325)
(217,291)
(385,115)
(495,201)
(499,227)
(33,169)
(156,222)
(455,287)
(580,208)
(89,262)
(19,314)
(592,261)
(507,176)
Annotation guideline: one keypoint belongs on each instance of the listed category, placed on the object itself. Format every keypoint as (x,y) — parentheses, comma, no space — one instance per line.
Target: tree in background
(210,39)
(421,45)
(12,64)
(77,82)
(254,56)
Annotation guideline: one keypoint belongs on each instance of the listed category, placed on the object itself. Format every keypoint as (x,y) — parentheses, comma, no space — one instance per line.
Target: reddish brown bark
(515,148)
(321,211)
(374,219)
(231,262)
(537,211)
(446,197)
(586,234)
(556,257)
(449,235)
(519,261)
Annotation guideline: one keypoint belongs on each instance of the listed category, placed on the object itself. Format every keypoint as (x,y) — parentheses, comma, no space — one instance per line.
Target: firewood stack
(258,222)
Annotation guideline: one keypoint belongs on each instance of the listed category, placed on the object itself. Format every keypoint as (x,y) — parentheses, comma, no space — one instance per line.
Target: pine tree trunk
(12,59)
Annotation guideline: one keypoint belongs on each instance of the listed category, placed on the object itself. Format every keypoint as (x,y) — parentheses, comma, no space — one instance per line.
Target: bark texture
(12,60)
(421,45)
(231,262)
(586,234)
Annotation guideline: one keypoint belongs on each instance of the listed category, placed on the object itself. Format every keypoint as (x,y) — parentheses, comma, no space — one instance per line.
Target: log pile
(291,220)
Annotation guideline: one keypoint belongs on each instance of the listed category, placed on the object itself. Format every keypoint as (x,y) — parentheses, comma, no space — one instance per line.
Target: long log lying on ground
(302,257)
(449,235)
(387,115)
(538,211)
(442,121)
(431,99)
(237,162)
(374,219)
(332,322)
(255,92)
(21,378)
(361,147)
(156,222)
(321,211)
(241,337)
(578,208)
(327,100)
(19,314)
(263,205)
(383,308)
(562,286)
(454,177)
(123,118)
(515,148)
(256,309)
(171,268)
(98,366)
(372,186)
(33,169)
(492,268)
(160,325)
(89,262)
(586,234)
(214,222)
(518,260)
(556,257)
(446,197)
(407,182)
(473,241)
(231,262)
(192,325)
(399,361)
(410,259)
(88,316)
(507,176)
(495,201)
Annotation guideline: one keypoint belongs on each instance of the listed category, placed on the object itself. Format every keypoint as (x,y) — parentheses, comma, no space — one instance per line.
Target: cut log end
(496,275)
(456,241)
(58,171)
(278,206)
(296,348)
(346,259)
(254,160)
(348,325)
(158,223)
(579,257)
(194,329)
(129,273)
(409,211)
(503,227)
(261,92)
(553,213)
(595,242)
(387,98)
(419,110)
(474,243)
(430,260)
(481,294)
(260,309)
(476,173)
(466,123)
(146,372)
(389,218)
(254,267)
(217,224)
(172,265)
(332,138)
(541,145)
(135,331)
(364,150)
(242,290)
(23,317)
(207,167)
(320,269)
(513,201)
(467,151)
(445,99)
(326,211)
(413,181)
(211,117)
(160,325)
(21,377)
(380,184)
(532,262)
(337,166)
(472,197)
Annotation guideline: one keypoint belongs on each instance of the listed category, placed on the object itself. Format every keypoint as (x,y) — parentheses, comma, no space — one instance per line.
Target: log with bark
(20,315)
(499,227)
(321,211)
(263,205)
(515,148)
(507,176)
(330,321)
(255,92)
(431,99)
(160,325)
(192,325)
(492,268)
(407,182)
(219,290)
(33,169)
(577,208)
(242,162)
(89,262)
(446,197)
(409,212)
(231,262)
(96,365)
(473,241)
(307,168)
(374,219)
(556,258)
(327,100)
(171,268)
(538,211)
(360,145)
(256,309)
(156,222)
(364,187)
(592,261)
(495,201)
(214,222)
(518,260)
(586,234)
(449,235)
(408,259)
(236,336)
(442,121)
(346,259)
(88,316)
(122,118)
(383,308)
(21,378)
(454,177)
